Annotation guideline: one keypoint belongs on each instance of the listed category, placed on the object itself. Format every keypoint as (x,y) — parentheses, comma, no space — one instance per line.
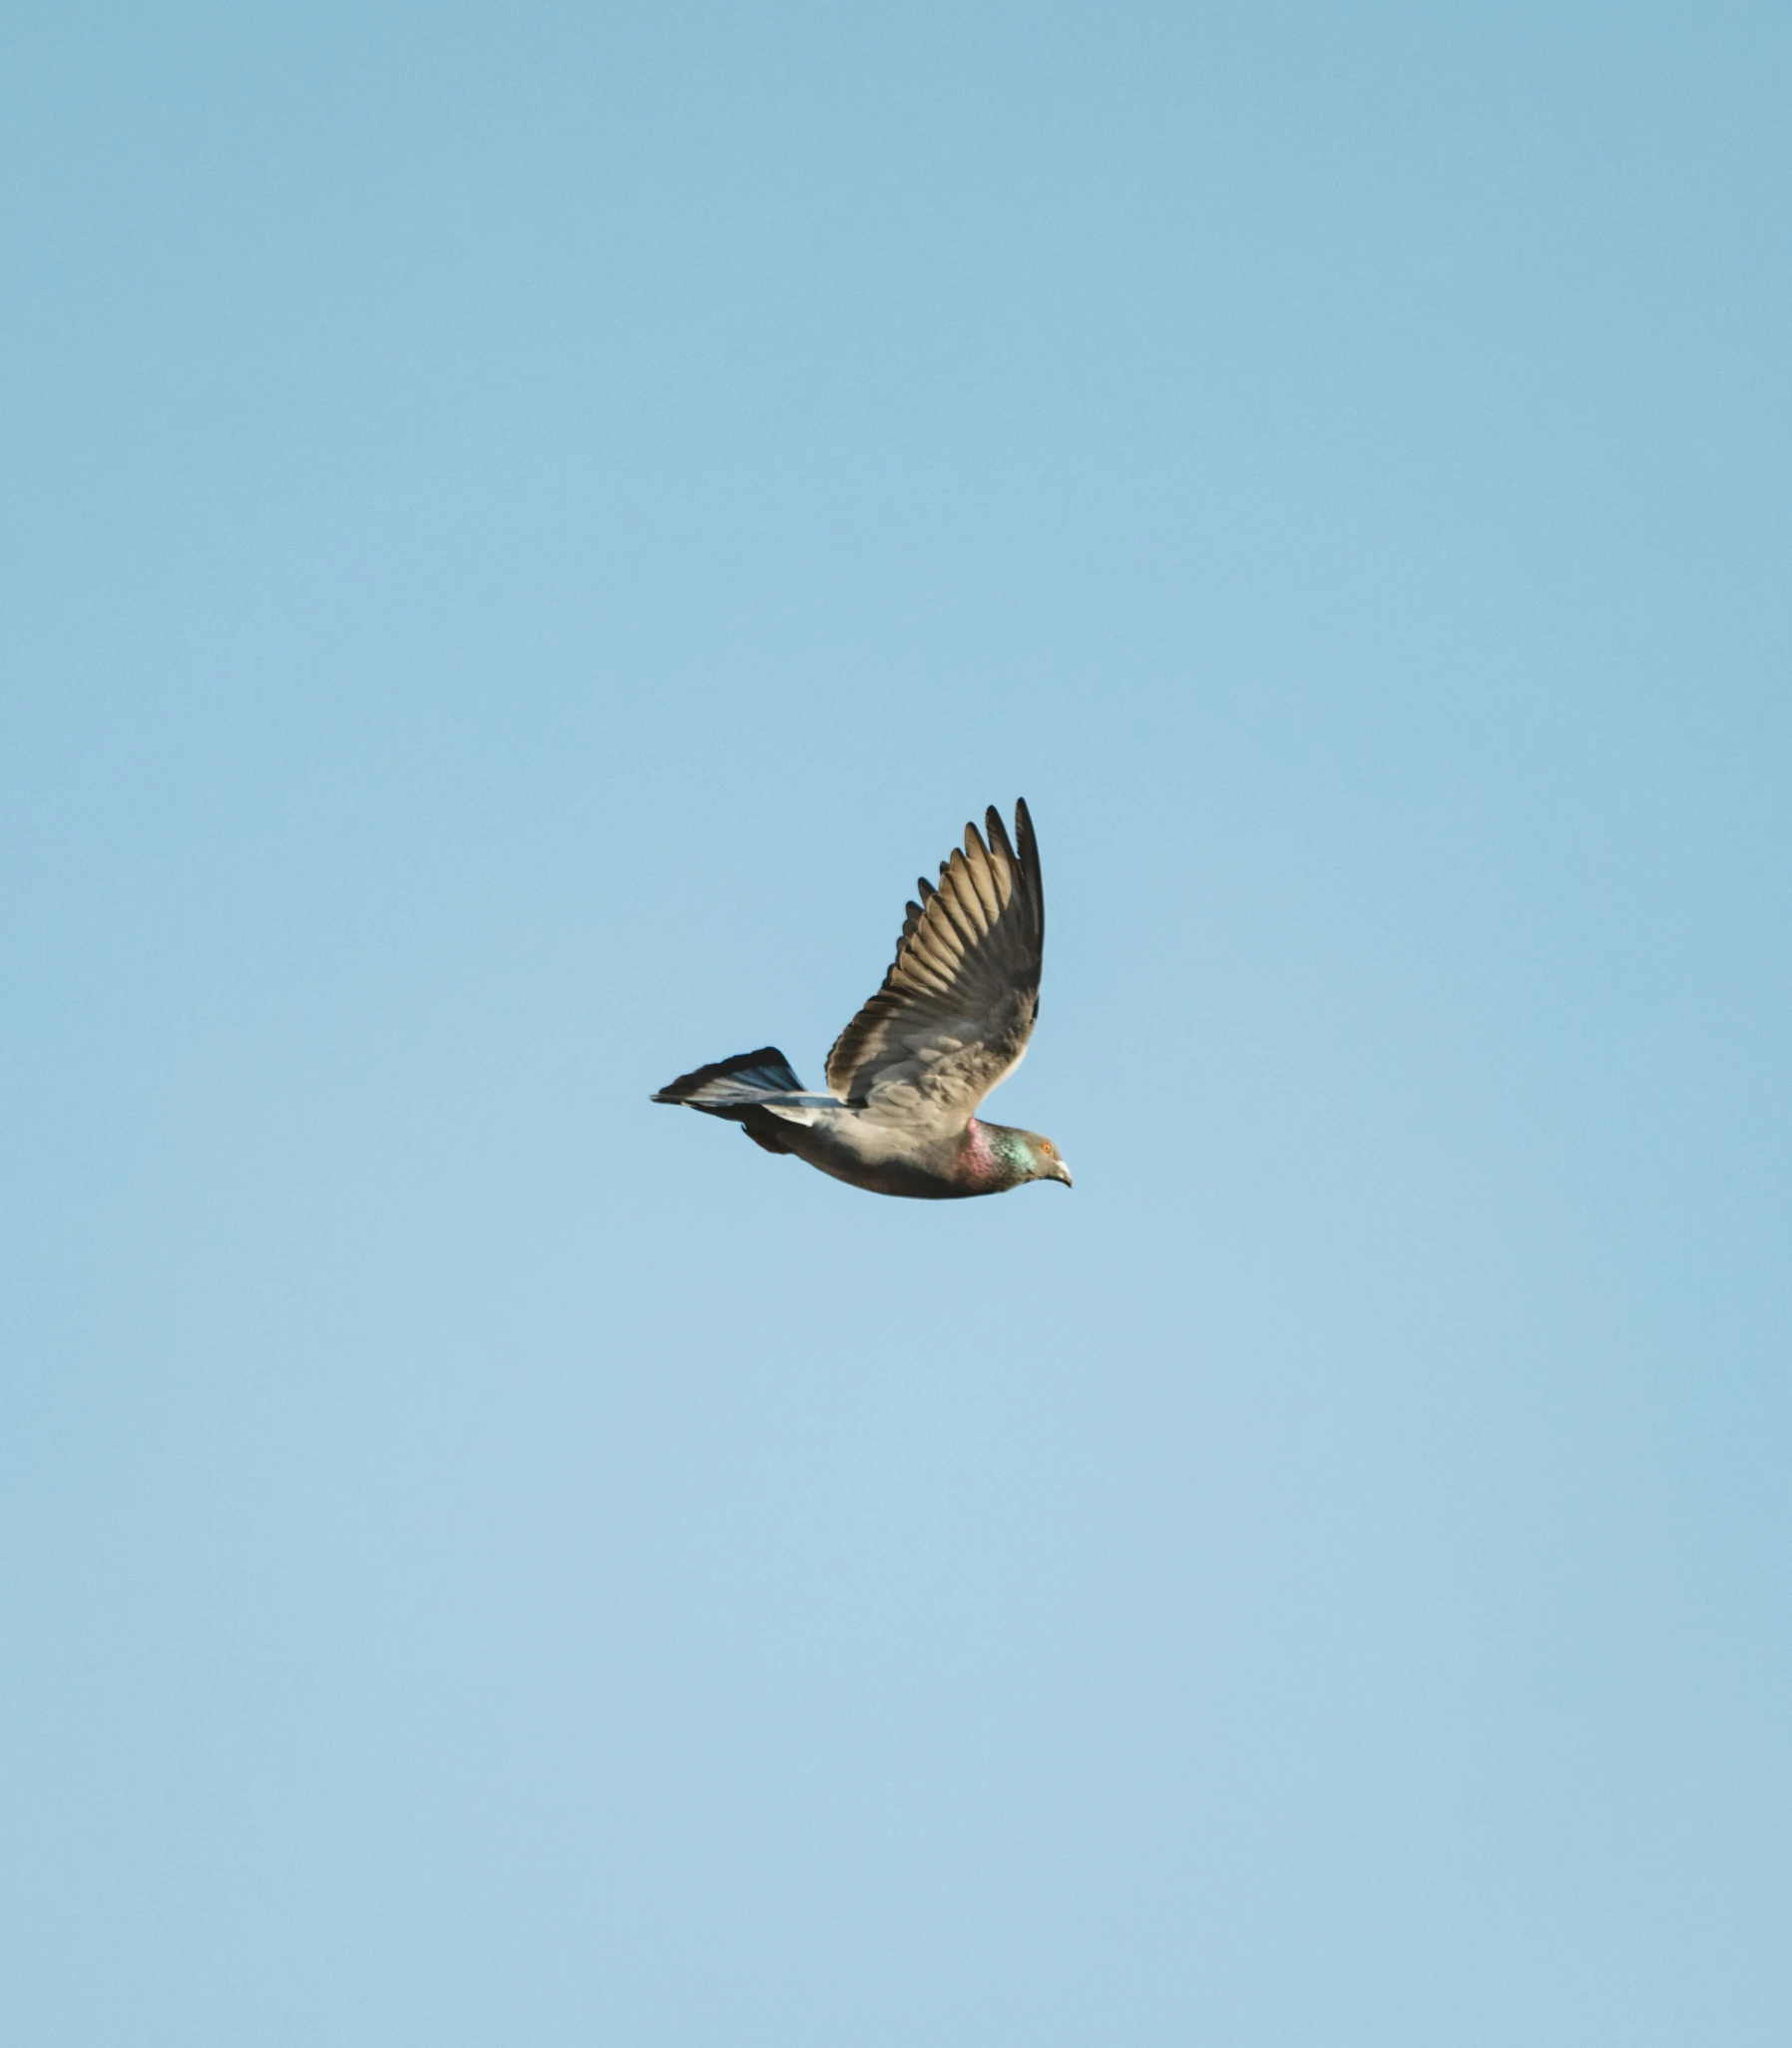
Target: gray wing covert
(958,1005)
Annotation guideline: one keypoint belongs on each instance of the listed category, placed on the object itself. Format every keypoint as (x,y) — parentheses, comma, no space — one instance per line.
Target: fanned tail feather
(756,1090)
(733,1085)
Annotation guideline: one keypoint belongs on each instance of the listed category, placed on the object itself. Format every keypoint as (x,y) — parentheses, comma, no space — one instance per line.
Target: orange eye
(1047,1147)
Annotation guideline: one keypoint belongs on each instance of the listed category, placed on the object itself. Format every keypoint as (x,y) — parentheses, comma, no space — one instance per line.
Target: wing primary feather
(983,880)
(935,958)
(953,894)
(1028,848)
(1002,860)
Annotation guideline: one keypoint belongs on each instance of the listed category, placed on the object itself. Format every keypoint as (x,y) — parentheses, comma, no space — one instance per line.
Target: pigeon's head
(1026,1156)
(1048,1160)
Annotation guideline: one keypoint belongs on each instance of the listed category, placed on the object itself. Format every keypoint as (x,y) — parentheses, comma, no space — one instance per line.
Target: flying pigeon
(950,1022)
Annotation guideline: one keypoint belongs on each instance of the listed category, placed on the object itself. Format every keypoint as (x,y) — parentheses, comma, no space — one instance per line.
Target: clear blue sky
(524,531)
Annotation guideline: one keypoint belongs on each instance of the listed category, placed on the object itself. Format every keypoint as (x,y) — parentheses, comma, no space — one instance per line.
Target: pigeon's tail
(756,1090)
(731,1086)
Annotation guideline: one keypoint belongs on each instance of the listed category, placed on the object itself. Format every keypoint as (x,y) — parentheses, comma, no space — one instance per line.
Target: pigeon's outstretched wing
(957,1007)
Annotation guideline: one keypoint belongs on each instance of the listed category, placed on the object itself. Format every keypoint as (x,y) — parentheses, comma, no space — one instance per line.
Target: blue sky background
(524,531)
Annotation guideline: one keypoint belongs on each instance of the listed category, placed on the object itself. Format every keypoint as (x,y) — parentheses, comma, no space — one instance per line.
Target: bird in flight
(950,1022)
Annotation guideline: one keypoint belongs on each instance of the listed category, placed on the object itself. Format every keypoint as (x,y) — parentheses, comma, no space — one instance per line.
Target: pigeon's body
(891,1159)
(951,1020)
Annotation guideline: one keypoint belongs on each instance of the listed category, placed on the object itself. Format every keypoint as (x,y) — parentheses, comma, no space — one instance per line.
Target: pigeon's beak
(1060,1171)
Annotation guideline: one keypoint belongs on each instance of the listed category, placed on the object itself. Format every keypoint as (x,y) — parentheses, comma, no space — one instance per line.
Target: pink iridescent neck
(979,1164)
